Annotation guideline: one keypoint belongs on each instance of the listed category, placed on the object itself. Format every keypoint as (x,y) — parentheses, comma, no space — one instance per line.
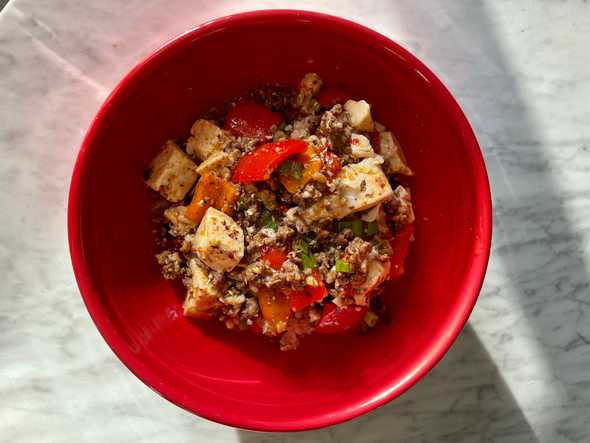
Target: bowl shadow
(464,398)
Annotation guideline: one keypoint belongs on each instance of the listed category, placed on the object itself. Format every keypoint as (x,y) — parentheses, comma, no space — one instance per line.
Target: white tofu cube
(219,241)
(392,153)
(214,162)
(360,115)
(377,273)
(172,173)
(358,187)
(360,146)
(202,296)
(206,138)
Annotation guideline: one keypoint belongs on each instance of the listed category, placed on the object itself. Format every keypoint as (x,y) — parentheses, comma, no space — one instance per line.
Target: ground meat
(267,198)
(243,144)
(304,127)
(276,97)
(266,237)
(233,299)
(299,325)
(171,263)
(356,254)
(279,134)
(180,225)
(400,207)
(250,309)
(310,193)
(292,218)
(335,126)
(288,276)
(306,104)
(289,341)
(270,218)
(253,272)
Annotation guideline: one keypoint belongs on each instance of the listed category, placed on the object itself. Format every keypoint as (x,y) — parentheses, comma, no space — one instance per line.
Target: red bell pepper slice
(258,164)
(400,244)
(275,258)
(330,96)
(335,319)
(251,120)
(308,295)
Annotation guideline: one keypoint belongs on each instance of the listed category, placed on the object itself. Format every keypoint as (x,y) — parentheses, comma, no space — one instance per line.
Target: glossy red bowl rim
(466,300)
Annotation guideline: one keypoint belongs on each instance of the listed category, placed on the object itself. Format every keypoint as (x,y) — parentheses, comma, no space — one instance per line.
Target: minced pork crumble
(284,214)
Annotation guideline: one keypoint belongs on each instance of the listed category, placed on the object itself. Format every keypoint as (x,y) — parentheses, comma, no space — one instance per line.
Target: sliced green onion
(342,266)
(267,220)
(243,201)
(308,262)
(302,245)
(342,225)
(371,228)
(357,227)
(291,169)
(304,253)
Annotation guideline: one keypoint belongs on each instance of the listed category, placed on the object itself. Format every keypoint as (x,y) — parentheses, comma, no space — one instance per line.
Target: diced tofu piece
(311,83)
(402,200)
(363,185)
(172,173)
(214,162)
(392,153)
(202,297)
(180,224)
(360,146)
(360,115)
(275,309)
(359,186)
(206,138)
(377,273)
(219,241)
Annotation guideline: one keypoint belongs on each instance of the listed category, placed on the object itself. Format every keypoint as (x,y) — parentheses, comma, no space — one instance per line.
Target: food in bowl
(285,214)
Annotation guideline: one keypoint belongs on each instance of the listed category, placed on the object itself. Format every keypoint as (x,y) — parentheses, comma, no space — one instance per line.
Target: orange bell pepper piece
(275,308)
(212,191)
(311,165)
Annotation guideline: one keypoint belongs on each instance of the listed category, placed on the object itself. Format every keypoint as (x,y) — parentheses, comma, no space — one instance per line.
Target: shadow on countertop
(464,398)
(544,274)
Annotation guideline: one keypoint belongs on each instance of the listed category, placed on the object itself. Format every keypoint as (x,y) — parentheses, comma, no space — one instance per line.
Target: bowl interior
(240,379)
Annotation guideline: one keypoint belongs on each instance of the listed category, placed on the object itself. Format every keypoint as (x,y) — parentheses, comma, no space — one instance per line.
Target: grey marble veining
(519,372)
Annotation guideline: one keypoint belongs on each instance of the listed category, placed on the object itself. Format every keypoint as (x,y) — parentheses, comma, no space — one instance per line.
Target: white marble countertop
(519,372)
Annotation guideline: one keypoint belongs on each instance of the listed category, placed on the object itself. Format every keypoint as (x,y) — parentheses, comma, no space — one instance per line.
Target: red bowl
(237,378)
